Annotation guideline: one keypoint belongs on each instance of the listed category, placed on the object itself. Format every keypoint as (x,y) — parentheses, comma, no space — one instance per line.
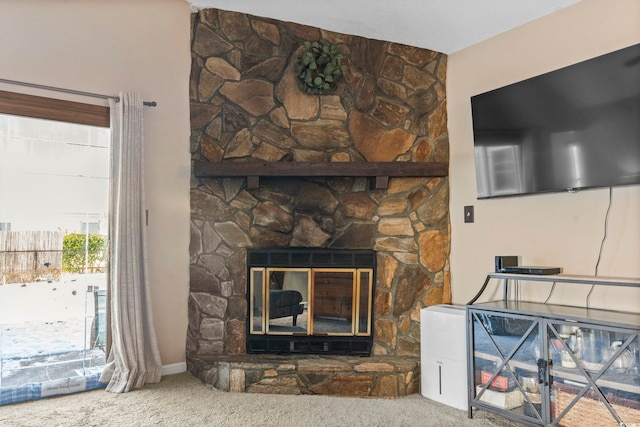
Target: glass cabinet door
(593,374)
(506,372)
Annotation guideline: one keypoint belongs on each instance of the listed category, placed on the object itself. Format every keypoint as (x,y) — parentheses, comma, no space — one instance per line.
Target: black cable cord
(550,292)
(606,224)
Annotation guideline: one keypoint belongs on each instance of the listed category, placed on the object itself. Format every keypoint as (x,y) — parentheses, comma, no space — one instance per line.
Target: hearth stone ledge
(349,376)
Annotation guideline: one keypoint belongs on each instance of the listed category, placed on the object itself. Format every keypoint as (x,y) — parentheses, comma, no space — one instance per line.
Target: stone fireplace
(245,107)
(310,301)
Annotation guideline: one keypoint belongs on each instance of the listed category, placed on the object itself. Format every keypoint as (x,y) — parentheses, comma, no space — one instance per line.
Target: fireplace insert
(315,301)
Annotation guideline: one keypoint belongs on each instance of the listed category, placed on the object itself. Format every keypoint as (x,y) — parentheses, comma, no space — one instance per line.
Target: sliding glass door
(54,183)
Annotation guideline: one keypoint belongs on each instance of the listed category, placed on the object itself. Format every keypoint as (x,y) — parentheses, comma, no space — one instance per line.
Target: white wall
(108,46)
(556,229)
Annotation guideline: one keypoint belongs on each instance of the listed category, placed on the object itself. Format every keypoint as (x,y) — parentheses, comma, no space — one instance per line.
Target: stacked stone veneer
(246,107)
(376,376)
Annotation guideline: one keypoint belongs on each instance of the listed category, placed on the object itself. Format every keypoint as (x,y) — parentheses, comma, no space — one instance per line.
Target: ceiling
(441,25)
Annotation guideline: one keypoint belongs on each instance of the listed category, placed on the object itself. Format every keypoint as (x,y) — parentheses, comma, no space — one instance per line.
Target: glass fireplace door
(333,297)
(287,301)
(279,300)
(310,301)
(364,296)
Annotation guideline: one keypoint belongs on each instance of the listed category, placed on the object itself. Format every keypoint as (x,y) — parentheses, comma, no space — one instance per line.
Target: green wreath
(319,68)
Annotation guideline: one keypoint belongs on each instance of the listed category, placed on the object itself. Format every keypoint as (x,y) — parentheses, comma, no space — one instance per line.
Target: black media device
(523,269)
(503,261)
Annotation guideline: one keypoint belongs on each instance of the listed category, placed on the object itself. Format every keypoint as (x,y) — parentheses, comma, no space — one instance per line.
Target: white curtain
(133,358)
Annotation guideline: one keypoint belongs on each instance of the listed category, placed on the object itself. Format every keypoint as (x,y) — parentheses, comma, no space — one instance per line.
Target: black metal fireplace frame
(311,258)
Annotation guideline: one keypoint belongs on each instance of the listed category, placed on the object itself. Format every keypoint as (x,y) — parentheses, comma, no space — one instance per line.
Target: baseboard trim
(174,368)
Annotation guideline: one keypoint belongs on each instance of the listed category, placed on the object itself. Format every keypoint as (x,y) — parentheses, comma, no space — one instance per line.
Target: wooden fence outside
(28,256)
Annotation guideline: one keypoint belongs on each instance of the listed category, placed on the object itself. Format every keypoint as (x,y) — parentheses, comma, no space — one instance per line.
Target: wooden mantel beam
(380,170)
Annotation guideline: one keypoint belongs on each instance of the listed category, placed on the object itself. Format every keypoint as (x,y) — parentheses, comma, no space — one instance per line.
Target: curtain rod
(71,91)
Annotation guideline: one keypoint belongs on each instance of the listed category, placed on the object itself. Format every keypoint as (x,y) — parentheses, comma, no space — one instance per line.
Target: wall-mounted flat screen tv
(570,129)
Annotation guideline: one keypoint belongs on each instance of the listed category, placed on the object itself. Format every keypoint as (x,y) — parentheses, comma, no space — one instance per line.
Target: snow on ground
(71,296)
(43,318)
(28,339)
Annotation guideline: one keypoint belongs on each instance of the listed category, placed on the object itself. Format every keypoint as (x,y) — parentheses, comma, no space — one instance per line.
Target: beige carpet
(182,400)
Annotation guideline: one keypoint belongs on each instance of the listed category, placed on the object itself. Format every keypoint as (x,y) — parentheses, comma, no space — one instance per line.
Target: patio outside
(54,180)
(52,329)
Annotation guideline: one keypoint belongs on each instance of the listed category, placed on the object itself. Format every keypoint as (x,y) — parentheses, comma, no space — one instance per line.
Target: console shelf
(566,373)
(549,364)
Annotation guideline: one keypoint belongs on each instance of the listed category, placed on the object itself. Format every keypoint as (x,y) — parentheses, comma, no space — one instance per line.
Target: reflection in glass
(309,301)
(257,298)
(364,298)
(333,296)
(499,164)
(287,300)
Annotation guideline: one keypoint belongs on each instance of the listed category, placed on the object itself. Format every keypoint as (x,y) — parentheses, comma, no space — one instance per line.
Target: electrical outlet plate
(468,214)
